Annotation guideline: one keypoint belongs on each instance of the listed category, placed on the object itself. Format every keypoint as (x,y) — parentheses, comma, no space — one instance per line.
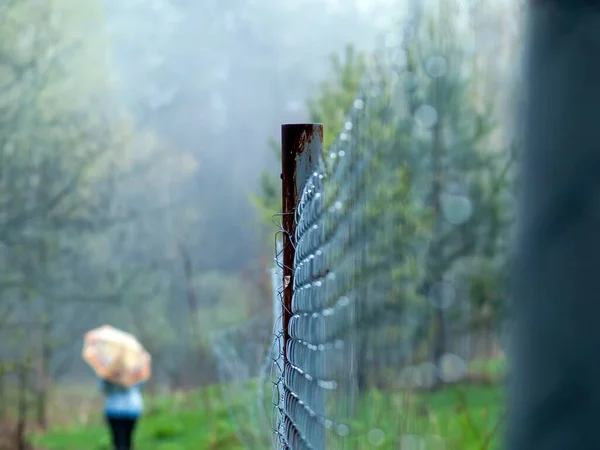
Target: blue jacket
(121,401)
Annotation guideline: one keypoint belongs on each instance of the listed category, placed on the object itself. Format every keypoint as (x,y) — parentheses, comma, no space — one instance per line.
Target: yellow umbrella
(116,356)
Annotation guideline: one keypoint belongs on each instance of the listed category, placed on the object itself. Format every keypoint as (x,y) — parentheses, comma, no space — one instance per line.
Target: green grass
(170,423)
(464,417)
(182,430)
(493,367)
(469,418)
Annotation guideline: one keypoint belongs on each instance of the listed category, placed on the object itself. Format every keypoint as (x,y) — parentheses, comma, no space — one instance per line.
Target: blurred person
(123,407)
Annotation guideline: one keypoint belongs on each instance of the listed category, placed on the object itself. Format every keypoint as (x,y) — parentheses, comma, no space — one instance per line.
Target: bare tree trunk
(2,396)
(44,376)
(21,425)
(489,330)
(45,352)
(174,377)
(190,291)
(151,387)
(193,308)
(439,316)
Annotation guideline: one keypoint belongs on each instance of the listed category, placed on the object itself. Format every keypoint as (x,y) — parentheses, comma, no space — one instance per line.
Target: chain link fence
(389,298)
(400,252)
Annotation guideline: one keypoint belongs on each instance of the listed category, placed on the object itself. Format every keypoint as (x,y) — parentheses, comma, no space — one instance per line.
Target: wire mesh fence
(400,251)
(389,299)
(245,354)
(244,374)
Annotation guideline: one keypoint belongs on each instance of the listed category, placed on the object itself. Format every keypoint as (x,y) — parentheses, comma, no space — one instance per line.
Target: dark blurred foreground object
(555,388)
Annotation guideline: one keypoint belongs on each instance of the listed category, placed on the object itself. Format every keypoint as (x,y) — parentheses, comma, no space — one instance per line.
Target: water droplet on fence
(435,442)
(410,442)
(338,205)
(426,116)
(452,368)
(457,209)
(343,137)
(330,385)
(341,153)
(332,155)
(394,80)
(343,430)
(406,378)
(348,126)
(375,92)
(408,28)
(343,301)
(442,294)
(411,81)
(392,40)
(399,58)
(359,104)
(436,66)
(376,437)
(9,148)
(427,374)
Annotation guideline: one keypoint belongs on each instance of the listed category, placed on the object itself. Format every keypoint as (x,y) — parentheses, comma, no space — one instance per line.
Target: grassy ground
(170,423)
(463,417)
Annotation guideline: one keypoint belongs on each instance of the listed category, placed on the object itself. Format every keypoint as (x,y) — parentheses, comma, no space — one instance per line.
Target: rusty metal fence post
(301,147)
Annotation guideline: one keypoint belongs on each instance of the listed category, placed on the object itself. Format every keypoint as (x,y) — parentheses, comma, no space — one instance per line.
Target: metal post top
(296,138)
(289,125)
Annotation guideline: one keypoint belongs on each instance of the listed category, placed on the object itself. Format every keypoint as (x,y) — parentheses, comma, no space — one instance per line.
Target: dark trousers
(121,429)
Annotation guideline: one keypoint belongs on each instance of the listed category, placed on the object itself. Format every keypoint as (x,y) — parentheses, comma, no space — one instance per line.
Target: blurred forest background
(139,170)
(132,137)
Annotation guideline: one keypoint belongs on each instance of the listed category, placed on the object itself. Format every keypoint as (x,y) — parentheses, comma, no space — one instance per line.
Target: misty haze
(175,274)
